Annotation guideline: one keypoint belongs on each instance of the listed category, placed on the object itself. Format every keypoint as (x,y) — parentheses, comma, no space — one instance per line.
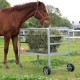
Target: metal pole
(48,42)
(68,46)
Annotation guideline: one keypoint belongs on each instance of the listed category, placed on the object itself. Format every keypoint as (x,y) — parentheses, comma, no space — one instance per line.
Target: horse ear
(39,3)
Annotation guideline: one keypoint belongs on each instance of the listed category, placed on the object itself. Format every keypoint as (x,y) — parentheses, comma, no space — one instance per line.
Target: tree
(31,22)
(52,9)
(65,22)
(56,17)
(3,4)
(57,11)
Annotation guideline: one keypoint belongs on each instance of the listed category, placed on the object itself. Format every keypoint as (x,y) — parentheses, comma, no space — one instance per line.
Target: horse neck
(24,14)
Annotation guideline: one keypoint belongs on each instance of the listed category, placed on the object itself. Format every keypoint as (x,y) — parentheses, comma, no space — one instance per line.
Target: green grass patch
(54,62)
(31,71)
(75,53)
(22,78)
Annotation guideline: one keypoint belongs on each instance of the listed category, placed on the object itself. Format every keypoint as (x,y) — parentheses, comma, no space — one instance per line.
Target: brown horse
(11,20)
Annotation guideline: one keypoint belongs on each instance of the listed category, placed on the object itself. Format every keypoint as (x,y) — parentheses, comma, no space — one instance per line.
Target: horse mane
(19,7)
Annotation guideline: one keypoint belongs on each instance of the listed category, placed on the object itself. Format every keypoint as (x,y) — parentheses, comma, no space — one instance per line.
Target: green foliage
(59,21)
(75,53)
(32,22)
(54,62)
(22,78)
(52,9)
(3,4)
(56,17)
(37,40)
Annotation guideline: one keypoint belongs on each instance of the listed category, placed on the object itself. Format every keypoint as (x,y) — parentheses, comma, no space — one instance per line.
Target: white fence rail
(73,33)
(74,36)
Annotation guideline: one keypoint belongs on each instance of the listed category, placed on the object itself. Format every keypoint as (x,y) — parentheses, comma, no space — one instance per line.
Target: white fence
(74,40)
(73,33)
(74,36)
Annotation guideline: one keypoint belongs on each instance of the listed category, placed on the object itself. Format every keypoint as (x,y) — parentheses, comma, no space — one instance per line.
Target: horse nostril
(46,24)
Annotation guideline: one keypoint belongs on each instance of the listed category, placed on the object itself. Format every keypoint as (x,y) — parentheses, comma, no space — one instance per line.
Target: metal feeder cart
(65,41)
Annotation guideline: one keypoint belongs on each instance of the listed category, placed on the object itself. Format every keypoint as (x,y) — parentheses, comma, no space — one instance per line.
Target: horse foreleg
(15,46)
(6,47)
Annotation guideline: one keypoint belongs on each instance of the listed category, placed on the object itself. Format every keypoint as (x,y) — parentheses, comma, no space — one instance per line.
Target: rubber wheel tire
(47,70)
(70,67)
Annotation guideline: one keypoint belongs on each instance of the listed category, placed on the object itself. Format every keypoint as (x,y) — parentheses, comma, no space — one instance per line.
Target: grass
(31,71)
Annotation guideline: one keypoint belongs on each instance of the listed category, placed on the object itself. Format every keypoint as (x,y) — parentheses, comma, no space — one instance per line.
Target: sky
(68,8)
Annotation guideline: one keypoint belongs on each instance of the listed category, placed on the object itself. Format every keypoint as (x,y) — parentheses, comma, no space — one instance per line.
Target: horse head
(41,14)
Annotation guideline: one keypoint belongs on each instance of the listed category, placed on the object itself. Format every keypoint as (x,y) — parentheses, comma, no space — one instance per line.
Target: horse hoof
(20,65)
(6,67)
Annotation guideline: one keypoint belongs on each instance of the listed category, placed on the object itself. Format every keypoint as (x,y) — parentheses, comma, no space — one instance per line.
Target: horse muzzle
(46,22)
